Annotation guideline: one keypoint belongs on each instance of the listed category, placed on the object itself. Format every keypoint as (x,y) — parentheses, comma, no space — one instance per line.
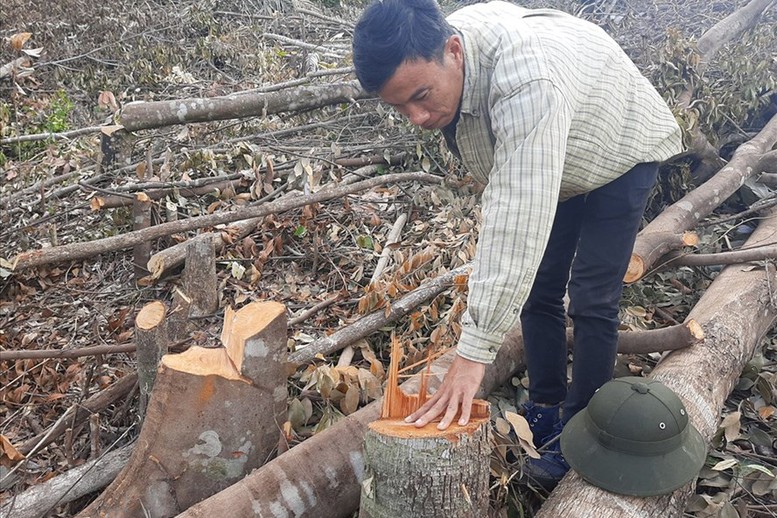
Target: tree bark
(114,201)
(199,279)
(141,219)
(41,499)
(735,313)
(84,250)
(145,115)
(214,415)
(700,202)
(426,472)
(653,246)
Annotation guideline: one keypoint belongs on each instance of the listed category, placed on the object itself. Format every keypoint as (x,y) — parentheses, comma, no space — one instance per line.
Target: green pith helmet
(634,438)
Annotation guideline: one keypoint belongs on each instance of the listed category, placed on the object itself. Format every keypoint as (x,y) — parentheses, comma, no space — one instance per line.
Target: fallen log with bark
(699,203)
(214,415)
(40,500)
(735,312)
(145,115)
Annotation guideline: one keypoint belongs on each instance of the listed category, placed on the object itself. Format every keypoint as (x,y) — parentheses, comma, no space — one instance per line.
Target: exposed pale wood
(84,250)
(735,312)
(151,341)
(392,238)
(41,499)
(200,282)
(215,414)
(699,203)
(330,486)
(145,115)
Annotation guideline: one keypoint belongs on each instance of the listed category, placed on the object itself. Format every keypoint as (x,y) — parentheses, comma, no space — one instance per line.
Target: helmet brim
(627,473)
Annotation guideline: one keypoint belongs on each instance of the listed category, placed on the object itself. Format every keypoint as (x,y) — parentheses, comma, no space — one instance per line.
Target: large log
(735,312)
(84,250)
(145,115)
(215,414)
(699,203)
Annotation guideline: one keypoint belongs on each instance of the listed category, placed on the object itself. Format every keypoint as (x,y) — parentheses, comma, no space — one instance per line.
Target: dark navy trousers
(587,254)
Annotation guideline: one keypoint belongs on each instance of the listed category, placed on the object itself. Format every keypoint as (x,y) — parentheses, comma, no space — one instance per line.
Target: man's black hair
(390,32)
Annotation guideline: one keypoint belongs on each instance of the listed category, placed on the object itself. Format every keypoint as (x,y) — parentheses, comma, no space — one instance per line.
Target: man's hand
(457,391)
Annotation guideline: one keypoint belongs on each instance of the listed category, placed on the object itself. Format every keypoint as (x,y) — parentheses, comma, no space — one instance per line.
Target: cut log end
(398,428)
(636,269)
(152,315)
(695,330)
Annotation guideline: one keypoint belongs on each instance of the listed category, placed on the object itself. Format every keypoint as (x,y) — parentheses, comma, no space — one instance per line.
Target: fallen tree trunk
(735,312)
(699,203)
(214,415)
(84,250)
(145,115)
(41,499)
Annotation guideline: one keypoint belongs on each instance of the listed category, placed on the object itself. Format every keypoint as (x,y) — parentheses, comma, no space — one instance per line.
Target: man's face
(428,92)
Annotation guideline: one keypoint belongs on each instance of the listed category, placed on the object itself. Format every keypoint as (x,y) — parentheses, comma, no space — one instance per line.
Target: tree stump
(214,415)
(151,340)
(424,472)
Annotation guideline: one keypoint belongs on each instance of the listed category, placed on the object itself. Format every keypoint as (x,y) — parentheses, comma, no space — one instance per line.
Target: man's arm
(531,127)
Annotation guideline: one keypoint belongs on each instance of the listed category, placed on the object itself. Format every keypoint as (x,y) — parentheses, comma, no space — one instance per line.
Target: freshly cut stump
(424,472)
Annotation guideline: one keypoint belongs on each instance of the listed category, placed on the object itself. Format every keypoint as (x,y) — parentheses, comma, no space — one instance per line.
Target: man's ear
(455,47)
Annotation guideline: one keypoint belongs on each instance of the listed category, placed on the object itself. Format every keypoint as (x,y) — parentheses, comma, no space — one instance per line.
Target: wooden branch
(41,499)
(114,201)
(151,339)
(84,250)
(145,115)
(735,312)
(699,203)
(215,414)
(79,413)
(331,486)
(10,68)
(748,255)
(708,45)
(392,238)
(64,135)
(653,246)
(67,353)
(315,309)
(731,27)
(141,219)
(668,338)
(378,319)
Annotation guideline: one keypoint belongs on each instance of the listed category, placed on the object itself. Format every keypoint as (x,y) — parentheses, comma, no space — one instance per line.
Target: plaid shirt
(552,108)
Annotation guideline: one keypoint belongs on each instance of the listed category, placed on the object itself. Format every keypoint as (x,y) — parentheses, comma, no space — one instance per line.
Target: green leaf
(300,231)
(365,242)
